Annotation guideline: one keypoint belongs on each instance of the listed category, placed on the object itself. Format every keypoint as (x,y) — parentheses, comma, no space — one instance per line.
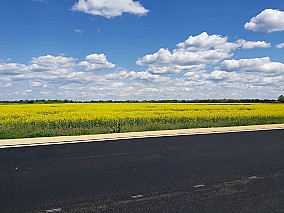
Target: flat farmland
(44,120)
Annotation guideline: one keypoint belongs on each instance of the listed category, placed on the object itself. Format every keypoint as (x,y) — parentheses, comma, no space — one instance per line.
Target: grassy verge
(48,129)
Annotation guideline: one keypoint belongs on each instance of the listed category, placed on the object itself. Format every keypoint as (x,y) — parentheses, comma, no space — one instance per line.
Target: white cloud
(281,45)
(202,42)
(79,31)
(96,62)
(219,75)
(146,77)
(183,57)
(55,68)
(241,76)
(38,84)
(50,61)
(260,65)
(109,8)
(166,77)
(253,44)
(268,20)
(12,69)
(195,54)
(163,56)
(50,73)
(247,76)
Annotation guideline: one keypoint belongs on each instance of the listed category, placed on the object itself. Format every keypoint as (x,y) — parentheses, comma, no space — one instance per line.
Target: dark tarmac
(225,172)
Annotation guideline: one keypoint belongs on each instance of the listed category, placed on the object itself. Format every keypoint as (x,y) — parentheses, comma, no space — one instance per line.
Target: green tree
(281,99)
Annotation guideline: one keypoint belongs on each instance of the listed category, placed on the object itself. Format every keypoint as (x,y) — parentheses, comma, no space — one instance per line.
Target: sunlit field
(37,120)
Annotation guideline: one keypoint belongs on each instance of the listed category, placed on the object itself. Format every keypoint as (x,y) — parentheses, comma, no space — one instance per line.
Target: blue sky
(125,49)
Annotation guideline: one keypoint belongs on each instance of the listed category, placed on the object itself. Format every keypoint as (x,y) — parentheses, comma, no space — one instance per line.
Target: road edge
(6,143)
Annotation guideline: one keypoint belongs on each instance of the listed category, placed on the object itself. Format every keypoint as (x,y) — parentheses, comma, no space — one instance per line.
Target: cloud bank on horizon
(202,66)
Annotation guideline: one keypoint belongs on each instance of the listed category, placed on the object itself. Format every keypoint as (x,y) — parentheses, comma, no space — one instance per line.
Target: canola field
(38,120)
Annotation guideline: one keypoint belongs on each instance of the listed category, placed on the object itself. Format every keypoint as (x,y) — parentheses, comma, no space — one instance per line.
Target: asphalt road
(228,172)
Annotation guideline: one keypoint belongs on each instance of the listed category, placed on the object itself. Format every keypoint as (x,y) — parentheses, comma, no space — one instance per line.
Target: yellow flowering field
(30,120)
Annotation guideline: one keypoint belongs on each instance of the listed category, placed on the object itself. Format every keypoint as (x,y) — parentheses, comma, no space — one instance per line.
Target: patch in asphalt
(253,177)
(53,210)
(199,186)
(137,196)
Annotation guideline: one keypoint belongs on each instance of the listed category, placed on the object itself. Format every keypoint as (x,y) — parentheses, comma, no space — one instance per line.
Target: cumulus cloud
(202,42)
(260,65)
(50,67)
(268,20)
(281,45)
(146,77)
(219,75)
(253,44)
(240,76)
(12,69)
(108,8)
(96,62)
(195,53)
(168,75)
(163,56)
(51,62)
(49,73)
(55,69)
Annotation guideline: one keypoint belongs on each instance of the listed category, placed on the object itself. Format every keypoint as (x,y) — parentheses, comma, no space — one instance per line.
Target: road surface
(228,172)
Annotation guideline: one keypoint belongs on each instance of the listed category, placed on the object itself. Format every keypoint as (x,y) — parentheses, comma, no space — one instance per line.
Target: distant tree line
(51,101)
(281,99)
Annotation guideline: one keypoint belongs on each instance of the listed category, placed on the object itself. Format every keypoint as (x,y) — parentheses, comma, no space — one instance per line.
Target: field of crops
(35,120)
